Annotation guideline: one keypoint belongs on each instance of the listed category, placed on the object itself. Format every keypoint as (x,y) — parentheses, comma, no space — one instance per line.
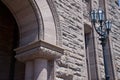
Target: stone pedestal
(36,57)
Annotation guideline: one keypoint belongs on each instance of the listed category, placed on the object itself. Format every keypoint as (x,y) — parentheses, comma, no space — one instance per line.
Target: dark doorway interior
(10,68)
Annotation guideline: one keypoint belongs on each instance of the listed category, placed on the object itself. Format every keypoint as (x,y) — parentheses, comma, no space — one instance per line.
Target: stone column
(40,72)
(36,56)
(29,70)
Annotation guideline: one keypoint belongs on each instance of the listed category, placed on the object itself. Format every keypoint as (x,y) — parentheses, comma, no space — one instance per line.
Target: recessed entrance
(10,68)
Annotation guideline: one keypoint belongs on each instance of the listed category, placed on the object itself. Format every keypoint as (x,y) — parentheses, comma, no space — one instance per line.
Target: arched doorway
(10,68)
(37,40)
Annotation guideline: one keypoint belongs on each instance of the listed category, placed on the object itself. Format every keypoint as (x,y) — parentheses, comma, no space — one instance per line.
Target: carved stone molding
(39,49)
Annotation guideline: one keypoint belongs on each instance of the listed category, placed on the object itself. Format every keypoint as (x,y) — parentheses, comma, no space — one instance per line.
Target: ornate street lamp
(103,28)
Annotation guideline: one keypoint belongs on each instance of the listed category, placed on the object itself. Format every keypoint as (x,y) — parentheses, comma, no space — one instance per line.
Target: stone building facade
(55,40)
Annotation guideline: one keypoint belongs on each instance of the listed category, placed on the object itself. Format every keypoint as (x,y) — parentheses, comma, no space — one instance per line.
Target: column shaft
(40,69)
(29,70)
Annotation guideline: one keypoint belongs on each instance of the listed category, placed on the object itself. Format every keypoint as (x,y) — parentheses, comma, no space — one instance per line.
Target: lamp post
(103,28)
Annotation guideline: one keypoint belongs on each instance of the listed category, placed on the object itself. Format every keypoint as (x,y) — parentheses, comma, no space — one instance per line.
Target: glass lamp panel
(93,15)
(108,25)
(100,15)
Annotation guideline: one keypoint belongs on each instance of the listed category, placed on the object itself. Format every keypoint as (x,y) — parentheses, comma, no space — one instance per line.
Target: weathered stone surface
(71,20)
(39,49)
(114,12)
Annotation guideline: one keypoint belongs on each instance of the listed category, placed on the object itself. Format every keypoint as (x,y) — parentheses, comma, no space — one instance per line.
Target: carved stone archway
(35,20)
(26,19)
(38,37)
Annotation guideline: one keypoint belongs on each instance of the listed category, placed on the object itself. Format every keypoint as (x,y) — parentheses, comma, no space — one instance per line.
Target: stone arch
(38,36)
(57,22)
(25,18)
(34,19)
(47,10)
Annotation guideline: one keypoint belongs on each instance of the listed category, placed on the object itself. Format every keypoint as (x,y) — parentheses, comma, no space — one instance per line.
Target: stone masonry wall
(72,15)
(114,14)
(71,66)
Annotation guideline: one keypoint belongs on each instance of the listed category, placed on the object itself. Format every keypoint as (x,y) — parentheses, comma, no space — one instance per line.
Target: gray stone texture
(72,65)
(54,27)
(114,12)
(73,14)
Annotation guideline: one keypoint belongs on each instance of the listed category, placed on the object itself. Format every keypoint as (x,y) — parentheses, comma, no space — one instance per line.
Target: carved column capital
(39,49)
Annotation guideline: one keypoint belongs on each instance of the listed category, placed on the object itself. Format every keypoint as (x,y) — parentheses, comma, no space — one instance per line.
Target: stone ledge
(39,49)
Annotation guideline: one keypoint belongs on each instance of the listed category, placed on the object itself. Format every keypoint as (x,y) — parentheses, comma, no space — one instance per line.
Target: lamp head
(93,16)
(108,25)
(100,15)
